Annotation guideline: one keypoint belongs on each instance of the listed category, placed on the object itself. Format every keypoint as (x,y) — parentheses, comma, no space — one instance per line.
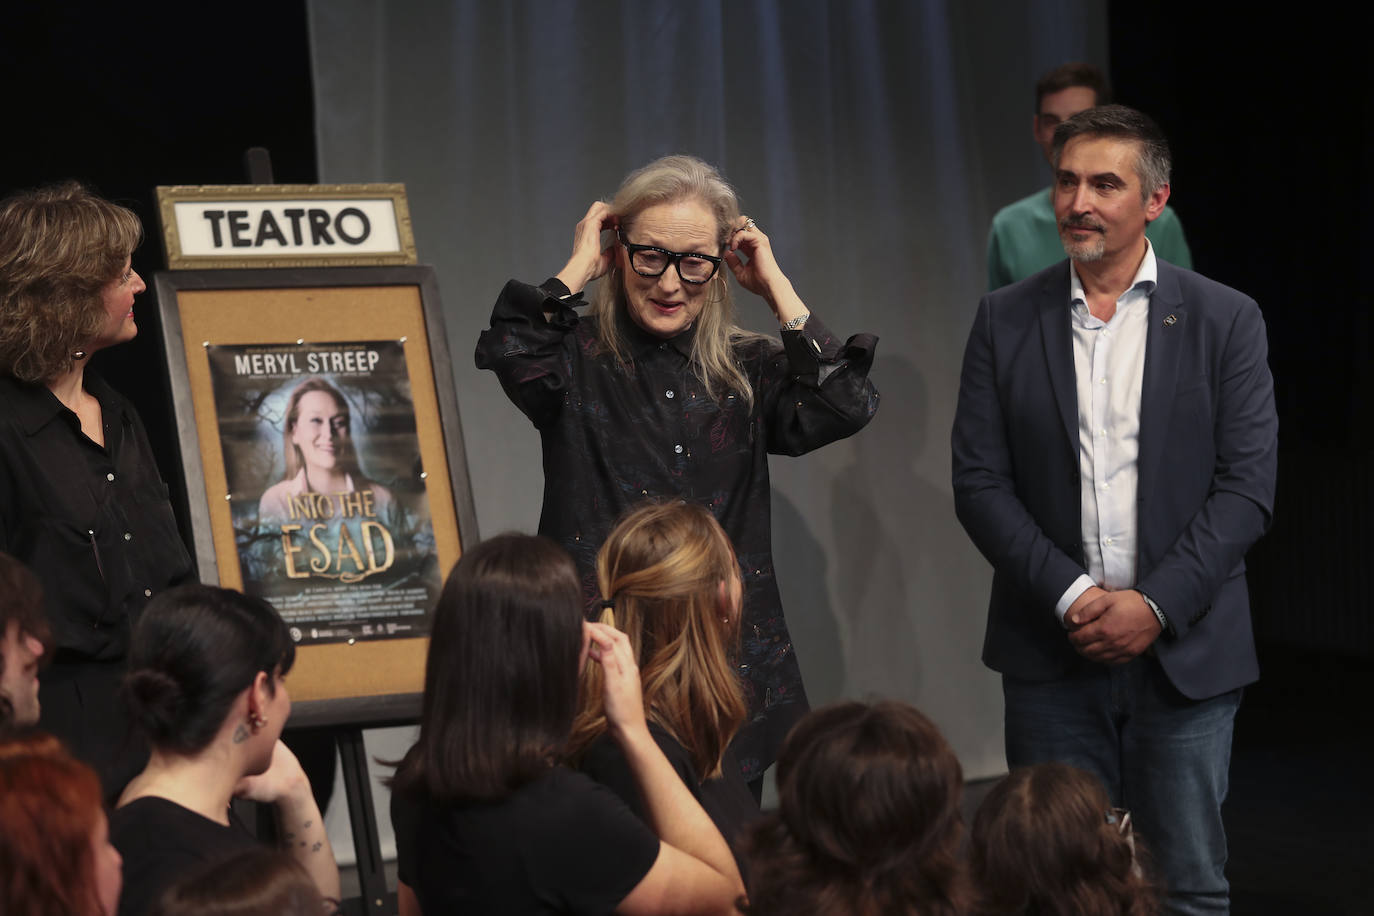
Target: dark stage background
(1270,121)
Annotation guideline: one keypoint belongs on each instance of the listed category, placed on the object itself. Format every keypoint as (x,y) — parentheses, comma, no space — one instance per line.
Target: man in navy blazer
(1114,455)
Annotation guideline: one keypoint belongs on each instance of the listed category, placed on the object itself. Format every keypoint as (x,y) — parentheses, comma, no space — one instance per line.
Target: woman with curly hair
(55,852)
(672,585)
(81,500)
(868,818)
(1046,842)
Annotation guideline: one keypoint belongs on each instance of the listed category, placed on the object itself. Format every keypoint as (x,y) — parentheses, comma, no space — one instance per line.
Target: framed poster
(324,464)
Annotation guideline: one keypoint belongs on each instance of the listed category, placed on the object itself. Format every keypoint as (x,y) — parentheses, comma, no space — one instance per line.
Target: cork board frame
(368,682)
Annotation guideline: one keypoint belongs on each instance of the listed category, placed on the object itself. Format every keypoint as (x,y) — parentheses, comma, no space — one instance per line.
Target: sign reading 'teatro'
(285,225)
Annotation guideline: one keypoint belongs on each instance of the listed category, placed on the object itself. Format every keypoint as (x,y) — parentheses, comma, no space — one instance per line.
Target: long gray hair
(668,180)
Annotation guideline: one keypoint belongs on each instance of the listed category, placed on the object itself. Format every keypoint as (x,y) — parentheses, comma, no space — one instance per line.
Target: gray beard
(1085,252)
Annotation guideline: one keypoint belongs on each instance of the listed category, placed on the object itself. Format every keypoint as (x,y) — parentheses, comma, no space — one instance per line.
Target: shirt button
(128,536)
(110,477)
(1111,541)
(677,449)
(668,393)
(147,593)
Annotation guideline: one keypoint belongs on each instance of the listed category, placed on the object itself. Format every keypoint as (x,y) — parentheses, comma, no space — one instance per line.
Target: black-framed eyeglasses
(649,261)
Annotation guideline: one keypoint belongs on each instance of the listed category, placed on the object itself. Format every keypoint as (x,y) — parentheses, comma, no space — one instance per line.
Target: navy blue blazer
(1206,468)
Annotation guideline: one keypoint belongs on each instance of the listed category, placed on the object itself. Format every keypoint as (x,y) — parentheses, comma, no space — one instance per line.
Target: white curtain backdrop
(873,141)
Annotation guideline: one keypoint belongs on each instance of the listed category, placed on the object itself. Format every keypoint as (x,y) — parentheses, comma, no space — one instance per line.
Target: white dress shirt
(1109,368)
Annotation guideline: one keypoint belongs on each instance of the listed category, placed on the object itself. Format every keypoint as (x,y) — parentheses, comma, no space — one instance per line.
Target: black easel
(374,898)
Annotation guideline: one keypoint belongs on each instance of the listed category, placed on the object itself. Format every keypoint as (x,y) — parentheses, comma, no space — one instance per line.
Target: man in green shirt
(1024,237)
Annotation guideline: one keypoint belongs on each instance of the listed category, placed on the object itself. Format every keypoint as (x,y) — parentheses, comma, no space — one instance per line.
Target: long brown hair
(1042,844)
(668,180)
(501,673)
(49,807)
(662,568)
(868,820)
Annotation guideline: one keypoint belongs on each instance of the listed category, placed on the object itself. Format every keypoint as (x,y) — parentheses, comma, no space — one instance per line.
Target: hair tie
(607,615)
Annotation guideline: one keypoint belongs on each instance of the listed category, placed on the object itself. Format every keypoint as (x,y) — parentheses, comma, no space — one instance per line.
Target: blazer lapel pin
(1170,321)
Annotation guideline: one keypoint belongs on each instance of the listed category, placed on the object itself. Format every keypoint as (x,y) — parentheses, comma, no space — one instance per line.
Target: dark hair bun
(156,702)
(194,651)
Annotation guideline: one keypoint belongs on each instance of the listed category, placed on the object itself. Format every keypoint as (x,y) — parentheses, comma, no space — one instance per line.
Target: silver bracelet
(796,322)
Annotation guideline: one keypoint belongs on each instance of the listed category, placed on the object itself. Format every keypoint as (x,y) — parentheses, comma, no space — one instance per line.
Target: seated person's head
(23,635)
(501,673)
(671,582)
(868,818)
(55,852)
(1047,841)
(207,666)
(256,882)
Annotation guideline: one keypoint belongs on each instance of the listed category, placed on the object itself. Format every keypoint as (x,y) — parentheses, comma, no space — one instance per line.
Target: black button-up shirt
(94,523)
(614,436)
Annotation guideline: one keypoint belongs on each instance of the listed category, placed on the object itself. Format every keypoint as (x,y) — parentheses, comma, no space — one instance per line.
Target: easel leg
(376,900)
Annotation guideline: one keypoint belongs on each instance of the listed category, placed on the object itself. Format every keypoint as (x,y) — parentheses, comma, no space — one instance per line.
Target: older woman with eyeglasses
(656,392)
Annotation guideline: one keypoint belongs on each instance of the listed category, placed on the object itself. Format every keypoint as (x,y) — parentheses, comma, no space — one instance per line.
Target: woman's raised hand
(621,695)
(760,273)
(589,260)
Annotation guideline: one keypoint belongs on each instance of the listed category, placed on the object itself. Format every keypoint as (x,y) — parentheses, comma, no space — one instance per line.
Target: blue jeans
(1161,755)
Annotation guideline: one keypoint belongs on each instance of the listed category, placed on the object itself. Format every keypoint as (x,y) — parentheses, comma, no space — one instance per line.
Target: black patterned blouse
(614,436)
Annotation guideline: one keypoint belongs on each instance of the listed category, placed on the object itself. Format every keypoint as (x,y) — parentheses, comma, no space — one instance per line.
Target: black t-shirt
(726,799)
(162,842)
(561,844)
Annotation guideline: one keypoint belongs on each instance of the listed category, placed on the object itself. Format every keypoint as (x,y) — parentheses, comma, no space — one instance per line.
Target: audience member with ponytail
(672,585)
(1046,842)
(868,819)
(55,852)
(206,683)
(487,820)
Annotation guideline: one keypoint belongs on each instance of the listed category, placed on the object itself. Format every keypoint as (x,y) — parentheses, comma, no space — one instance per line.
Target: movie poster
(326,488)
